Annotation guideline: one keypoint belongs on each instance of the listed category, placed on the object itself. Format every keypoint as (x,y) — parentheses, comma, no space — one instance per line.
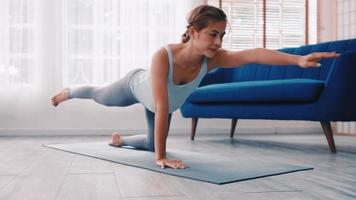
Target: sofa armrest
(339,95)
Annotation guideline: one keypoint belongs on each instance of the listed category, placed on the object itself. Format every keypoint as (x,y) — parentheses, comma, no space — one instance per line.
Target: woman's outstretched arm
(229,59)
(159,72)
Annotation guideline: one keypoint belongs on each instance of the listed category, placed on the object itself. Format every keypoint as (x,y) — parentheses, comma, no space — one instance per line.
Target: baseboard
(98,132)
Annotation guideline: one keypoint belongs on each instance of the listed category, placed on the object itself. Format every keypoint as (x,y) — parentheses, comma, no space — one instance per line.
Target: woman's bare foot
(115,139)
(60,97)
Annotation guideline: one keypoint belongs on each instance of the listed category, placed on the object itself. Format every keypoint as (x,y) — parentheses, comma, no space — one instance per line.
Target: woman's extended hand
(175,164)
(312,60)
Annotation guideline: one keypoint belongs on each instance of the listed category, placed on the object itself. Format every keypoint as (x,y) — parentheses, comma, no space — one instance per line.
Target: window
(16,39)
(285,23)
(91,41)
(346,28)
(346,19)
(244,29)
(104,39)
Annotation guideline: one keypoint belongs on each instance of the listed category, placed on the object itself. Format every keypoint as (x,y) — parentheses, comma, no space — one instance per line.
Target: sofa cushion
(283,90)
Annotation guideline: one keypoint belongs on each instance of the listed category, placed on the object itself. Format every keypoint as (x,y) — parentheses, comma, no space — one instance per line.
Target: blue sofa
(257,91)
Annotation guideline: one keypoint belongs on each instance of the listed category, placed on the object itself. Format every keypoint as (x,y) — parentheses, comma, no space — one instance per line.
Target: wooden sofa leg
(233,126)
(329,135)
(194,127)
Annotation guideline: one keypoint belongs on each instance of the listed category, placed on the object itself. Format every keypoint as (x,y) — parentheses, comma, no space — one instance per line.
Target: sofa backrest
(261,72)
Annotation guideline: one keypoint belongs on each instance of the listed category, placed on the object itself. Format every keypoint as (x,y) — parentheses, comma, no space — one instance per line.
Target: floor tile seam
(86,173)
(64,178)
(274,191)
(149,196)
(116,181)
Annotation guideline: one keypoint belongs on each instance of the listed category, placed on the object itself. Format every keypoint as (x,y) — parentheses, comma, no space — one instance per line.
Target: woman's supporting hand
(175,164)
(313,59)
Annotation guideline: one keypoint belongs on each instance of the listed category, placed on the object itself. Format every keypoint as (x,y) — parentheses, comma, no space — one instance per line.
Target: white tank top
(141,86)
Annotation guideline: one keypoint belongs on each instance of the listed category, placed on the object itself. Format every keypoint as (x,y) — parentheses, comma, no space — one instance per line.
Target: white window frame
(252,31)
(126,55)
(17,67)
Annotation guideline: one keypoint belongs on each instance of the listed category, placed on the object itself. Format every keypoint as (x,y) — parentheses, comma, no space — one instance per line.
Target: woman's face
(209,39)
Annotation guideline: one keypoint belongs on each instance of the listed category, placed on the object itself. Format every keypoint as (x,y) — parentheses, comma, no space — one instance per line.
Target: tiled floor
(30,171)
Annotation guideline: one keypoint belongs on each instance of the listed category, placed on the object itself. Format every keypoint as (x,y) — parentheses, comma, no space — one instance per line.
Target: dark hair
(200,16)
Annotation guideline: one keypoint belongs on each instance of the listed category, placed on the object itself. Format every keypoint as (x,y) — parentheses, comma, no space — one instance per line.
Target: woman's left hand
(312,60)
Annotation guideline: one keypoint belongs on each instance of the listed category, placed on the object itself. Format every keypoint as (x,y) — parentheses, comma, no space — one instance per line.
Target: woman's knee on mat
(150,147)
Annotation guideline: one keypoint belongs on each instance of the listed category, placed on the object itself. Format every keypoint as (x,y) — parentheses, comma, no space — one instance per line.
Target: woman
(176,71)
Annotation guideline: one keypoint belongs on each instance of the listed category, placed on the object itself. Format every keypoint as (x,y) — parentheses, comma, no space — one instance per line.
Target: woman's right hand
(175,164)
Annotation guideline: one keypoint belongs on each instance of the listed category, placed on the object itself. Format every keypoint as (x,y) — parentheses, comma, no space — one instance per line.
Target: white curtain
(16,42)
(346,29)
(19,83)
(49,44)
(104,39)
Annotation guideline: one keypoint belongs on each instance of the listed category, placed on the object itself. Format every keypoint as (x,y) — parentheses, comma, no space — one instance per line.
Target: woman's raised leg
(115,94)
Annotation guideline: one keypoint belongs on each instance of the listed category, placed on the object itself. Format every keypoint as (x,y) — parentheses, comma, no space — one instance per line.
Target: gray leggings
(119,94)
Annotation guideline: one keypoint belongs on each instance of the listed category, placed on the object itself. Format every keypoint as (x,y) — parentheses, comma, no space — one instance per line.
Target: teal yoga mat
(202,166)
